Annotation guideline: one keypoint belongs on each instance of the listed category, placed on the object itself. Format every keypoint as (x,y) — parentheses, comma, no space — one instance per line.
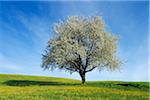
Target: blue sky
(25,28)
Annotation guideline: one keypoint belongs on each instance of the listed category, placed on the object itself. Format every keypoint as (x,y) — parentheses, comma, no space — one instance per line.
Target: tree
(81,45)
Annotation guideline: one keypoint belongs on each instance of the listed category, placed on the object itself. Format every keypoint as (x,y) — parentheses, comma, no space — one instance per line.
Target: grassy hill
(21,87)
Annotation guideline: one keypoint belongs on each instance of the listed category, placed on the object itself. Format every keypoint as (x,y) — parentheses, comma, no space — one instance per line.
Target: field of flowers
(20,87)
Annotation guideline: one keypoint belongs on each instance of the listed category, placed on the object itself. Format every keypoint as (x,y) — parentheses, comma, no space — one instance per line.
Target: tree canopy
(81,45)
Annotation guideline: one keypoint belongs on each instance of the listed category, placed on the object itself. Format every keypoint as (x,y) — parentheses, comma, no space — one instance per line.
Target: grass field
(21,87)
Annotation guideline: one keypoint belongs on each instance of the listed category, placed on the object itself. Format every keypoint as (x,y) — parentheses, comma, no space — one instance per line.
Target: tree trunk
(82,75)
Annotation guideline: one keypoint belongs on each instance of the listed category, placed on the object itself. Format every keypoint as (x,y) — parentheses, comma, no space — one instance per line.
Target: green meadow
(22,87)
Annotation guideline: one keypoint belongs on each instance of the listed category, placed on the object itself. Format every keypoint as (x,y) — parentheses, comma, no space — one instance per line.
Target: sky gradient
(25,28)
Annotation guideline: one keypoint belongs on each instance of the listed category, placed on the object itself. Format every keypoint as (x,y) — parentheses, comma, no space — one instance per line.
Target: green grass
(21,87)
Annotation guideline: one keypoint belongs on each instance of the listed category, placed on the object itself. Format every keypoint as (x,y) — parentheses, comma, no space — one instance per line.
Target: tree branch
(79,62)
(87,62)
(90,69)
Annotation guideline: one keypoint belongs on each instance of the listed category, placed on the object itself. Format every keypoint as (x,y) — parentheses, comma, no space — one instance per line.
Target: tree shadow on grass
(126,85)
(135,86)
(39,83)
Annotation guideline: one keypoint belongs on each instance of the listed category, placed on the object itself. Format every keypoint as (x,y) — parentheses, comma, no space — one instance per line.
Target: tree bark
(82,75)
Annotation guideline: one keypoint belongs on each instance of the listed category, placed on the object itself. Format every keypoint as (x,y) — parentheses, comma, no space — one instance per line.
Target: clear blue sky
(25,28)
